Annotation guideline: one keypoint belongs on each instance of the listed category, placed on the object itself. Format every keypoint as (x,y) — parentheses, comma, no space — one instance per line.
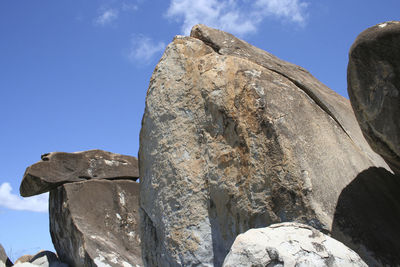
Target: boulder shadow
(367,217)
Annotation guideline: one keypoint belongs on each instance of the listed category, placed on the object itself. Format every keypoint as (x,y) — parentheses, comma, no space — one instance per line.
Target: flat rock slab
(374,88)
(289,245)
(58,168)
(96,223)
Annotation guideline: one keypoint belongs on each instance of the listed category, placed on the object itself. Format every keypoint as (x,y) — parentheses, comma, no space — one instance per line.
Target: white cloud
(236,16)
(144,49)
(12,201)
(107,16)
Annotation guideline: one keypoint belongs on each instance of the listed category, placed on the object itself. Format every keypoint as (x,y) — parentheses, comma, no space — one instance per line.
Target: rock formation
(234,138)
(95,222)
(4,260)
(374,88)
(289,245)
(93,206)
(42,259)
(58,168)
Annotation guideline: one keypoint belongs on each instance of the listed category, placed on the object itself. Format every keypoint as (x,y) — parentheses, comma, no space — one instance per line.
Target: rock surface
(4,260)
(234,138)
(374,88)
(95,223)
(289,245)
(58,168)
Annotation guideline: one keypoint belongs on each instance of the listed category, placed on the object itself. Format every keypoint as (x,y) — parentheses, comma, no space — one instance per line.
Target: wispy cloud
(144,49)
(15,202)
(106,17)
(236,16)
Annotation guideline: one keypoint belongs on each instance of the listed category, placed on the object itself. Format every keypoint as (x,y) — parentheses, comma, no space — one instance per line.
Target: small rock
(289,245)
(58,168)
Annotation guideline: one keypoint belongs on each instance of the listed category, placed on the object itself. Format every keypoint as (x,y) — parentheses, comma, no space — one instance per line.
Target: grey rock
(47,259)
(4,260)
(95,223)
(24,258)
(234,138)
(58,168)
(374,88)
(289,245)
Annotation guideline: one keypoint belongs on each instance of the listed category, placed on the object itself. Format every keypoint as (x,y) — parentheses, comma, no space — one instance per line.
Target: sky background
(74,74)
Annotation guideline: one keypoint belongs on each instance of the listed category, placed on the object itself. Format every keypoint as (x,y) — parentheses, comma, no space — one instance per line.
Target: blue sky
(74,74)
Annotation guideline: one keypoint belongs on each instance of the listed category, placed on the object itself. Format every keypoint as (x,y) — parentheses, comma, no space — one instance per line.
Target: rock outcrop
(289,245)
(234,138)
(58,168)
(93,206)
(4,260)
(43,259)
(95,223)
(374,88)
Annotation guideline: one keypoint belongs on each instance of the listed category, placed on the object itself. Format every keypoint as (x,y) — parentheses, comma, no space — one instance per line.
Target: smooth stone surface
(58,168)
(289,245)
(234,138)
(96,223)
(374,88)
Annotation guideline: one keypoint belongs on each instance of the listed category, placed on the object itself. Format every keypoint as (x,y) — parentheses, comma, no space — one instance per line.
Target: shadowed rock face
(58,168)
(374,88)
(289,244)
(234,138)
(96,223)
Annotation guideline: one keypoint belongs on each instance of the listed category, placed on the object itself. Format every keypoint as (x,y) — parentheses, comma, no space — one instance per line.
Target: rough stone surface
(4,260)
(58,168)
(234,138)
(374,88)
(289,245)
(95,223)
(47,259)
(24,258)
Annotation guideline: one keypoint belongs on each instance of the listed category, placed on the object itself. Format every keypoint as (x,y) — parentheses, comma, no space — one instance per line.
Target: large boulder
(234,138)
(289,245)
(58,168)
(96,223)
(4,260)
(374,88)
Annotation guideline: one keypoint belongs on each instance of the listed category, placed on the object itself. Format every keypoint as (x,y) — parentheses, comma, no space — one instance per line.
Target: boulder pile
(244,160)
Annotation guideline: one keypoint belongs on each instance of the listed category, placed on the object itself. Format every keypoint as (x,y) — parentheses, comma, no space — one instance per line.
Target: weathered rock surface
(43,259)
(58,168)
(374,88)
(234,138)
(95,223)
(289,245)
(4,260)
(24,258)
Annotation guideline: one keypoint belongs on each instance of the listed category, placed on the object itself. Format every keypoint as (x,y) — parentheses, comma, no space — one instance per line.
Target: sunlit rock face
(289,245)
(374,88)
(234,138)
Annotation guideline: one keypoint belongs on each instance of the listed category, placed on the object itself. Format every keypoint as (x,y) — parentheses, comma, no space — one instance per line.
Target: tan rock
(234,138)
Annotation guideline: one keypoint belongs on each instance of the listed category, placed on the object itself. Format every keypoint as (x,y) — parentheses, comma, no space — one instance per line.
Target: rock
(374,88)
(234,138)
(58,168)
(24,258)
(289,245)
(4,260)
(95,223)
(47,259)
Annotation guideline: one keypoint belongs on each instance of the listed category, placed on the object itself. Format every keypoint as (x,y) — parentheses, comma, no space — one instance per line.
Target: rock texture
(234,138)
(4,260)
(95,223)
(289,245)
(374,88)
(58,168)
